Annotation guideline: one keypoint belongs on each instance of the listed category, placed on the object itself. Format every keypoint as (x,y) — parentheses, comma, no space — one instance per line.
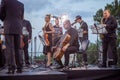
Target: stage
(92,73)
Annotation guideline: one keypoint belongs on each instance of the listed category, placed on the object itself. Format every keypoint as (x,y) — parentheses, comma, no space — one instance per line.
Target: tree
(98,15)
(114,8)
(92,53)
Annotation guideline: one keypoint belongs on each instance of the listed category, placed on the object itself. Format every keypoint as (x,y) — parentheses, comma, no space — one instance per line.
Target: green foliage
(98,15)
(41,57)
(92,53)
(114,8)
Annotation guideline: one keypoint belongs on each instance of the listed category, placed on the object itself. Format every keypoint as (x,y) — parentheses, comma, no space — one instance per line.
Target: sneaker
(102,66)
(66,68)
(113,66)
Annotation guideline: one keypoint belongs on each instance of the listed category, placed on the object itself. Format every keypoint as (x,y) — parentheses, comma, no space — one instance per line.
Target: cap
(78,17)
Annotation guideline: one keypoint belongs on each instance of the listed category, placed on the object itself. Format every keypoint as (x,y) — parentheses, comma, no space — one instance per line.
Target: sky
(35,11)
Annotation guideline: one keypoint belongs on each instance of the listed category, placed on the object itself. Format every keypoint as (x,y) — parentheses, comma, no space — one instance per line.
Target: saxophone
(101,35)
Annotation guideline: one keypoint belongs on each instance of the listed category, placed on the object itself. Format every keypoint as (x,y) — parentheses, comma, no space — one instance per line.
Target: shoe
(59,67)
(59,64)
(66,68)
(113,66)
(19,71)
(85,63)
(11,70)
(49,64)
(28,65)
(102,66)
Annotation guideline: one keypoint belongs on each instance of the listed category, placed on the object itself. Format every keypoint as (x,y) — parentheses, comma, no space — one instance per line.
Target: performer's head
(47,18)
(106,13)
(57,21)
(67,24)
(78,19)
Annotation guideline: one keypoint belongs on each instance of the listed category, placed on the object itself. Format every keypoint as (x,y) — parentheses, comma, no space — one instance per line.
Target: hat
(78,17)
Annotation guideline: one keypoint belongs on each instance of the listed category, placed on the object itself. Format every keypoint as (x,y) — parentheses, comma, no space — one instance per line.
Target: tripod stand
(39,66)
(44,45)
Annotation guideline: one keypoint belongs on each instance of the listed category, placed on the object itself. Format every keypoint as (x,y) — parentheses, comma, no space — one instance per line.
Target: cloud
(35,10)
(35,5)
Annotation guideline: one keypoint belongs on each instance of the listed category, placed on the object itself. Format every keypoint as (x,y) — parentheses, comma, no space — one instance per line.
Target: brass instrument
(101,35)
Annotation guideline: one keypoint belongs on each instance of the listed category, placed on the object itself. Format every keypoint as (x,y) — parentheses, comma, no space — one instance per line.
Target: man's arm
(85,29)
(2,10)
(29,29)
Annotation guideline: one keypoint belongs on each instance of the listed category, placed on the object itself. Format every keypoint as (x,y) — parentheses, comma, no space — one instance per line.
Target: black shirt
(11,13)
(58,30)
(74,37)
(27,24)
(84,26)
(111,25)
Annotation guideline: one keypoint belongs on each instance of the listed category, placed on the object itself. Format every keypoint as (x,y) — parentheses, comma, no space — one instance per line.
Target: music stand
(98,29)
(44,44)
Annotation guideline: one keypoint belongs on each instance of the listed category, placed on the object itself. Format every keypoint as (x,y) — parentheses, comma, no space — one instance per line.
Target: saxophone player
(109,39)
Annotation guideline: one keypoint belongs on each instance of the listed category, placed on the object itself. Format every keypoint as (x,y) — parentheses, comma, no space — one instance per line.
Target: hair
(48,16)
(107,10)
(56,19)
(68,22)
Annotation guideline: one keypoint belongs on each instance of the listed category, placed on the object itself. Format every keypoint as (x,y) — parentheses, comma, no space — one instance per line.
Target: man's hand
(65,47)
(103,25)
(85,32)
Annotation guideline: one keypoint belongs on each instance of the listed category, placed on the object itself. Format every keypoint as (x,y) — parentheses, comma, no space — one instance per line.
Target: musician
(58,31)
(72,46)
(1,54)
(2,50)
(48,30)
(83,38)
(11,14)
(109,39)
(27,34)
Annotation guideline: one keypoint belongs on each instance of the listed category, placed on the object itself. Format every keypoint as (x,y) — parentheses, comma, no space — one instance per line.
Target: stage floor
(92,73)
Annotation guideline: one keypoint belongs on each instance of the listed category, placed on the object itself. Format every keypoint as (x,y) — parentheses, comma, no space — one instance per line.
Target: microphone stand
(35,46)
(31,51)
(73,23)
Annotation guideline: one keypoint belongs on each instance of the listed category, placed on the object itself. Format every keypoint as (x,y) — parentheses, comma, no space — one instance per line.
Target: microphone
(95,25)
(73,23)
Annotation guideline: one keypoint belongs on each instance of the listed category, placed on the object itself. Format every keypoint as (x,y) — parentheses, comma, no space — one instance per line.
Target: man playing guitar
(71,47)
